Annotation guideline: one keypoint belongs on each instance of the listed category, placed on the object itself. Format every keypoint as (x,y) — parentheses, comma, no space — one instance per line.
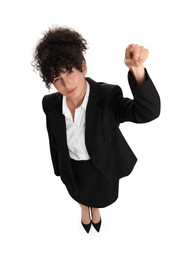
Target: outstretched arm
(146,103)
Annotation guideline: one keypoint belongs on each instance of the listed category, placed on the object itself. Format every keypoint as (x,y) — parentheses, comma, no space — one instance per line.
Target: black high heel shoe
(97,226)
(87,226)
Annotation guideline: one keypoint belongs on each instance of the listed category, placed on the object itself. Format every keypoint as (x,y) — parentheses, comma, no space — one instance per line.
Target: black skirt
(93,189)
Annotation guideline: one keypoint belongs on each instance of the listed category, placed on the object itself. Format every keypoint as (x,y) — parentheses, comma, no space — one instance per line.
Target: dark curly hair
(60,48)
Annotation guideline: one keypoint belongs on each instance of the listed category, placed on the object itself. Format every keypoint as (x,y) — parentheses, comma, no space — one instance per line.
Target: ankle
(95,215)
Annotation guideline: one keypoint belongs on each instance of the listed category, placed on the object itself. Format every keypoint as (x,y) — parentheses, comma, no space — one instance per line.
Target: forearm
(139,75)
(146,99)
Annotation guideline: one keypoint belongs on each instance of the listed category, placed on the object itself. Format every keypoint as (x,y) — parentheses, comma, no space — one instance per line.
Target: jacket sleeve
(53,150)
(143,108)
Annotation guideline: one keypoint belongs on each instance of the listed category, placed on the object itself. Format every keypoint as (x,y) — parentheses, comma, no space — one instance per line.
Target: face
(71,83)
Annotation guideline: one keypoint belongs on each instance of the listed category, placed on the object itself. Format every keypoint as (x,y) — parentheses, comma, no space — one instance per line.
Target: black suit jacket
(106,109)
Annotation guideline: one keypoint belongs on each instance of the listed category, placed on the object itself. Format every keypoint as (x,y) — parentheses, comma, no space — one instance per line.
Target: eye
(56,79)
(69,72)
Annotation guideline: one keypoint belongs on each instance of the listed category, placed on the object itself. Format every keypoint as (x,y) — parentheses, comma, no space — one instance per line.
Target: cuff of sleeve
(132,80)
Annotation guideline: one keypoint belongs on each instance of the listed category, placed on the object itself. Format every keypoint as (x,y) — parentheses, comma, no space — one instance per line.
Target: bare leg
(85,214)
(96,215)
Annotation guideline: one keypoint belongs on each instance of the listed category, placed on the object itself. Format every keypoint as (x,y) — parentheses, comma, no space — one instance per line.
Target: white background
(151,218)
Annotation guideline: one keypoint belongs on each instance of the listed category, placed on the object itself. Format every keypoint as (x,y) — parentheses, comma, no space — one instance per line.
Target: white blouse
(75,130)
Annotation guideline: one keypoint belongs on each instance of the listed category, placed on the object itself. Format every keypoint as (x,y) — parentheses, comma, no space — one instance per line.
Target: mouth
(71,91)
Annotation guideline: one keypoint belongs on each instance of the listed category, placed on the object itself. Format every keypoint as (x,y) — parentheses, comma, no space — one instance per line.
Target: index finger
(129,51)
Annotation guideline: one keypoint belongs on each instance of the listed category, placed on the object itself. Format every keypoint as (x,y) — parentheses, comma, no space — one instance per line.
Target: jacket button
(97,163)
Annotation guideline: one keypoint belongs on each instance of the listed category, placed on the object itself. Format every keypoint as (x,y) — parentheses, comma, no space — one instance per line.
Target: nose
(65,82)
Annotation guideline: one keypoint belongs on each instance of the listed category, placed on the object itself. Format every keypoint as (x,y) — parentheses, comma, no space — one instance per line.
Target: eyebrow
(62,70)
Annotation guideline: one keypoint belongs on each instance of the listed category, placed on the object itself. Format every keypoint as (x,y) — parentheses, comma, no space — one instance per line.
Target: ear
(84,68)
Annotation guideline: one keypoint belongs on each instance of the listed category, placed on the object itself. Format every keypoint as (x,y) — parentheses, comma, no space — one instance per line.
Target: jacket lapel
(58,122)
(93,113)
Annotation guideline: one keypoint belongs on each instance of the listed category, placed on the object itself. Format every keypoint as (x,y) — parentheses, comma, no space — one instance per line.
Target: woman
(87,148)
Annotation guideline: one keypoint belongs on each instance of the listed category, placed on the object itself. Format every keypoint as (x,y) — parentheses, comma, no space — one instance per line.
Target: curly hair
(60,48)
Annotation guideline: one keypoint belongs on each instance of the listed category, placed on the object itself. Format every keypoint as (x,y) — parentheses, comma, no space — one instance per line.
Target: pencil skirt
(93,189)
